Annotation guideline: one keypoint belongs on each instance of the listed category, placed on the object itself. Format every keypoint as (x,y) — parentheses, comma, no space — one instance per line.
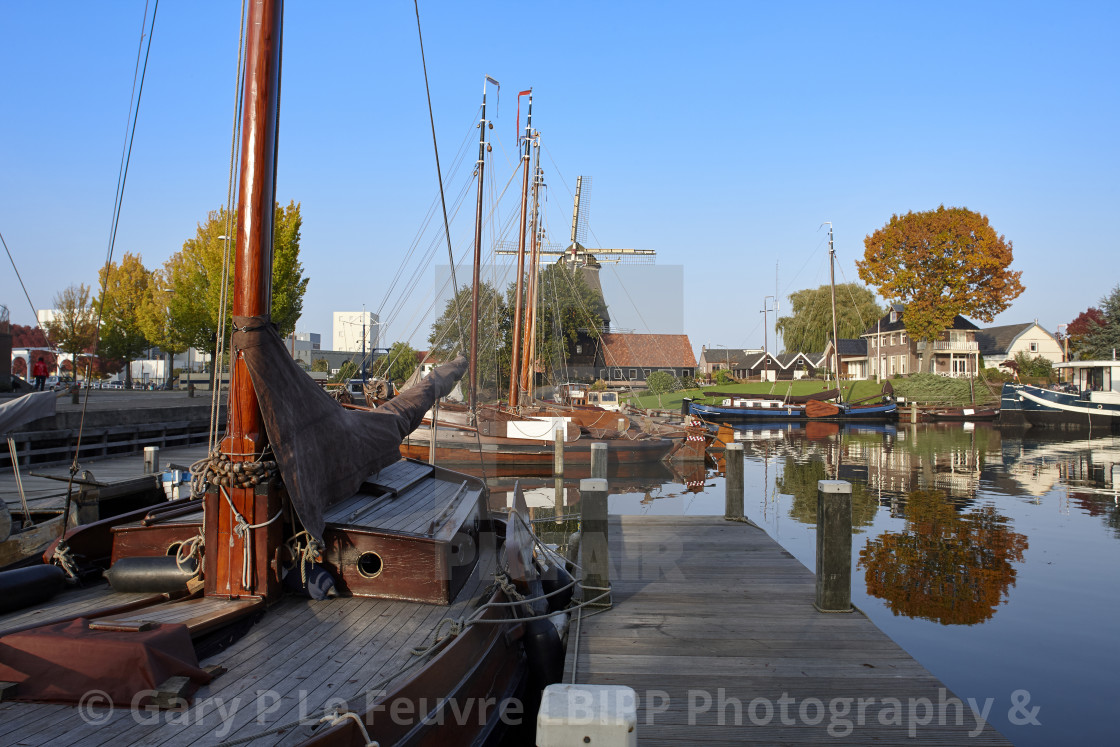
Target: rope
(335,718)
(305,554)
(64,557)
(242,530)
(193,546)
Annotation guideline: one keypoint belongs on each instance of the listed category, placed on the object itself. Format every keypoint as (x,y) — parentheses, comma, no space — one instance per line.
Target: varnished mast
(529,348)
(479,168)
(517,362)
(226,534)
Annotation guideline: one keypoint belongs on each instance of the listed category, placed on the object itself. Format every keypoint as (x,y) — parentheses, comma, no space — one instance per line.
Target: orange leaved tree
(940,263)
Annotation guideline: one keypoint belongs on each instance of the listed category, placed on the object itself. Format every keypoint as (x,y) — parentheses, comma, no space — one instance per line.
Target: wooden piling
(594,540)
(151,460)
(834,546)
(733,502)
(558,458)
(599,460)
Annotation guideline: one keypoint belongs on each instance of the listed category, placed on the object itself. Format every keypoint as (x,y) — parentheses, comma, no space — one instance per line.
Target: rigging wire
(126,157)
(34,311)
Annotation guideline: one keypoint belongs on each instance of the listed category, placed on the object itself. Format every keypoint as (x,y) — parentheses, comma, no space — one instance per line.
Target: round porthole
(369,565)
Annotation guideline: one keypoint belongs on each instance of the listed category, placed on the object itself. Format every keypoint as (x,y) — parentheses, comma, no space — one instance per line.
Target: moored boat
(1090,400)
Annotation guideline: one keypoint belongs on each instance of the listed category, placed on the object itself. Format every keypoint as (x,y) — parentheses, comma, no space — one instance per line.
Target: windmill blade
(581,210)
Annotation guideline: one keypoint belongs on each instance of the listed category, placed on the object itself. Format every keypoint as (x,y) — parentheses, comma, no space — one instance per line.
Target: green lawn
(672,401)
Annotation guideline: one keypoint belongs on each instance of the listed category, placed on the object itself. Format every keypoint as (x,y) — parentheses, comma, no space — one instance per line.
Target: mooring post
(151,460)
(733,503)
(558,454)
(913,412)
(594,540)
(834,546)
(599,460)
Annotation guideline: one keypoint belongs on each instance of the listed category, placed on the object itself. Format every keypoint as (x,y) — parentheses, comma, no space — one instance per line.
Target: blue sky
(719,134)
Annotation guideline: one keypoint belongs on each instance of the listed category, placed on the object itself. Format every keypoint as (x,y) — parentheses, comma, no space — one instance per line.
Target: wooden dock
(714,627)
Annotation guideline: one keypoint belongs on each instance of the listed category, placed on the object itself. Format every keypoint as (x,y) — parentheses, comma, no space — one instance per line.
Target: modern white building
(351,328)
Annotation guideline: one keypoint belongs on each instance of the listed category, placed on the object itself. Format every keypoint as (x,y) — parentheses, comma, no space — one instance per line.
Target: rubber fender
(554,578)
(319,586)
(151,575)
(544,652)
(23,587)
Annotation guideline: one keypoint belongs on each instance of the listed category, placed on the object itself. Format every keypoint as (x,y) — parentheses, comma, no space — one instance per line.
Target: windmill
(576,255)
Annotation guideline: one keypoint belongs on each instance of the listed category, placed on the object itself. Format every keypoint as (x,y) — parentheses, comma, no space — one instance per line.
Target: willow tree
(808,328)
(940,263)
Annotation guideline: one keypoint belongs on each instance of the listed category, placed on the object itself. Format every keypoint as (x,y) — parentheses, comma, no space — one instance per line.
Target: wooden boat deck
(301,657)
(708,607)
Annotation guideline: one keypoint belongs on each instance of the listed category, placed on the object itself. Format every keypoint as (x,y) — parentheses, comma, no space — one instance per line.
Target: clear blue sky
(720,134)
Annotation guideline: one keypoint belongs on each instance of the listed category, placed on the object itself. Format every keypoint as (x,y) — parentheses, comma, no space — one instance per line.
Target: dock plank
(713,625)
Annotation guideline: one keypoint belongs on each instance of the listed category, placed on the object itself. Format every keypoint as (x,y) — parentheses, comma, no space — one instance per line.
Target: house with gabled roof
(890,350)
(853,358)
(1001,344)
(732,360)
(628,358)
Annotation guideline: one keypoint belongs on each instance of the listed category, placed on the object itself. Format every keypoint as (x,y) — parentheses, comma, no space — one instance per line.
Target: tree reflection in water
(947,567)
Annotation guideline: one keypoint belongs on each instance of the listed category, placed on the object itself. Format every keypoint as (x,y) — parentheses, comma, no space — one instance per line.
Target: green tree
(1080,331)
(567,308)
(940,263)
(195,277)
(808,328)
(321,364)
(1036,367)
(399,364)
(125,290)
(74,326)
(493,336)
(661,383)
(347,371)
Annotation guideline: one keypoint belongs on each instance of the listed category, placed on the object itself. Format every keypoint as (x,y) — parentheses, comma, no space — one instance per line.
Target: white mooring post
(577,715)
(151,460)
(834,546)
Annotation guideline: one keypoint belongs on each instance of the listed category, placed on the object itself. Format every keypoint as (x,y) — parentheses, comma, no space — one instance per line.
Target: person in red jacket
(40,372)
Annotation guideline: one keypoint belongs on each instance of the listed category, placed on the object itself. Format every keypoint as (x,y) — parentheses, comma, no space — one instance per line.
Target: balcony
(944,346)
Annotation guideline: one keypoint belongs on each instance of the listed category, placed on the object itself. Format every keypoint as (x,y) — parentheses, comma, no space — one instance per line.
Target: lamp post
(765,351)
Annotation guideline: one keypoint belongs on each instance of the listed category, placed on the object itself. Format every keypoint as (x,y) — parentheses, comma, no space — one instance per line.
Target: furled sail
(325,451)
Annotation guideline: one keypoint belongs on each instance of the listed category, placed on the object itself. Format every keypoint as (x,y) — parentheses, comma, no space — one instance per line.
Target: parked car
(114,385)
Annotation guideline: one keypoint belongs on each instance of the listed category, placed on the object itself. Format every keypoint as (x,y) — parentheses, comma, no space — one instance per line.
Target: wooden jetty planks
(710,609)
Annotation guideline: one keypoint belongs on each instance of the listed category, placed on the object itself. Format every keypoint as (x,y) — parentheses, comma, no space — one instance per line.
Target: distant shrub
(599,386)
(722,377)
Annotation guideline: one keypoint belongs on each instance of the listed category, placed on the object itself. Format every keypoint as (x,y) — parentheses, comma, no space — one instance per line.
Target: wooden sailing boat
(421,638)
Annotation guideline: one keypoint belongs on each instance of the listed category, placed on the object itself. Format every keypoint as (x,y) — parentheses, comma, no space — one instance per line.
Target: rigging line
(852,296)
(34,311)
(126,156)
(808,258)
(217,363)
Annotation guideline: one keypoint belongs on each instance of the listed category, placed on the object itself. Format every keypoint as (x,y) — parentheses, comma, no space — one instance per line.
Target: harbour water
(989,556)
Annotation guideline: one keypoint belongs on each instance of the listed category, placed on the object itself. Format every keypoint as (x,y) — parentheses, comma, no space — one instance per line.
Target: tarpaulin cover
(23,410)
(63,662)
(324,450)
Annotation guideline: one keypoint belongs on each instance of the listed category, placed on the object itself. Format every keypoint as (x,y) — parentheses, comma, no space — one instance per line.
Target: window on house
(893,359)
(1034,347)
(616,374)
(901,338)
(902,364)
(579,349)
(633,374)
(892,338)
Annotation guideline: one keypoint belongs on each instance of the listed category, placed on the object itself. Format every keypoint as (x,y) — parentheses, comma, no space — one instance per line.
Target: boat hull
(1025,405)
(793,413)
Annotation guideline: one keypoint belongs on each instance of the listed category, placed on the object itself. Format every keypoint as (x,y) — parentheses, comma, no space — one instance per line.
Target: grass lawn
(672,401)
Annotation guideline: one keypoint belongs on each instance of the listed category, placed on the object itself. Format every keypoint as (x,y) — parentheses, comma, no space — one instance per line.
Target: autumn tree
(74,326)
(125,289)
(1095,333)
(808,328)
(194,277)
(940,263)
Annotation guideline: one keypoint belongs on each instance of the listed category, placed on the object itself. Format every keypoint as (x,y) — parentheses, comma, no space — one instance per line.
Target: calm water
(991,557)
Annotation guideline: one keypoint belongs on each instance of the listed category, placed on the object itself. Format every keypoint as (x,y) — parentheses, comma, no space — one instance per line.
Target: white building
(999,344)
(351,328)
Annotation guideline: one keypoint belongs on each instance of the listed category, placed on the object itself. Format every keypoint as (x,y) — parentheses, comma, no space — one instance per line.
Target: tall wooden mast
(479,169)
(516,363)
(239,558)
(528,349)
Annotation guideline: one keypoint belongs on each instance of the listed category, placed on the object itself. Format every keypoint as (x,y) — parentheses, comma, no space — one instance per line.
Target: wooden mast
(529,348)
(835,333)
(479,169)
(516,362)
(238,560)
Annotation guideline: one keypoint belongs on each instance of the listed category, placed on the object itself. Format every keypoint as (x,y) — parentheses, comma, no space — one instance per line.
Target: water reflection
(946,566)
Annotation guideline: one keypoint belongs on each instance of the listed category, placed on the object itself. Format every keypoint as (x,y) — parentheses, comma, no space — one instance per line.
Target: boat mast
(479,170)
(515,363)
(237,561)
(529,348)
(835,334)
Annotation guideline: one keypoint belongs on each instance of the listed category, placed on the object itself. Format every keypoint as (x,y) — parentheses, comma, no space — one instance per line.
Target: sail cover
(23,410)
(323,450)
